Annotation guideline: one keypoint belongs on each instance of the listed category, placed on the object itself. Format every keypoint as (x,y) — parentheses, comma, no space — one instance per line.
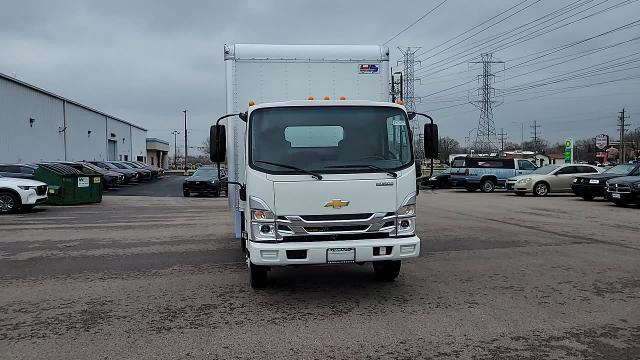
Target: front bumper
(203,187)
(31,198)
(586,189)
(515,186)
(275,254)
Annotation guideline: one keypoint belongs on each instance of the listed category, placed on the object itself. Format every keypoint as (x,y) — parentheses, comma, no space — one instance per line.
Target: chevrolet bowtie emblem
(336,203)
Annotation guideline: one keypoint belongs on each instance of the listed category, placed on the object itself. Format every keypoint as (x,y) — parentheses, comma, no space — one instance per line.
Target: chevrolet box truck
(320,163)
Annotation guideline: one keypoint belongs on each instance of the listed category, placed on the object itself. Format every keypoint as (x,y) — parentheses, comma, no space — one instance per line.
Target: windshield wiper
(313,174)
(373,167)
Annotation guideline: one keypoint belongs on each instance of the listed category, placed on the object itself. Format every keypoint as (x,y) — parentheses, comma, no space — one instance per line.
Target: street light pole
(175,148)
(186,171)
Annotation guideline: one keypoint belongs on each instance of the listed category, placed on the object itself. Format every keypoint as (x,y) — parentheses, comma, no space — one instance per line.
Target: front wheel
(387,270)
(186,193)
(258,275)
(620,202)
(540,189)
(588,197)
(9,203)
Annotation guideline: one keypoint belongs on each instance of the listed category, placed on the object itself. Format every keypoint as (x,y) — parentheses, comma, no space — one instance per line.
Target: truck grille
(619,188)
(336,224)
(41,190)
(338,237)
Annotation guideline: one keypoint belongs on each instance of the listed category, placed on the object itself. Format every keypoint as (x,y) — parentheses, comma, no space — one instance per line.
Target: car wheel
(186,193)
(520,193)
(588,197)
(387,270)
(258,276)
(540,189)
(9,202)
(487,186)
(471,188)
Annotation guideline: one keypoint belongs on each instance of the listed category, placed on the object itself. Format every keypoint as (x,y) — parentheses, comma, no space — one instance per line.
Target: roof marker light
(310,98)
(327,98)
(252,103)
(343,98)
(399,102)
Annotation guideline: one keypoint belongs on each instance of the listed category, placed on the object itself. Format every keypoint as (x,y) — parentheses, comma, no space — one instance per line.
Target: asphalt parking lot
(149,277)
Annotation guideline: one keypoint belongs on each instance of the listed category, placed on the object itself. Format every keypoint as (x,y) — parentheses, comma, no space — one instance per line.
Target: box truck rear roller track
(320,164)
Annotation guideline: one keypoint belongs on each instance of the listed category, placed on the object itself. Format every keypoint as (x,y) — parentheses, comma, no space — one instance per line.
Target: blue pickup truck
(486,173)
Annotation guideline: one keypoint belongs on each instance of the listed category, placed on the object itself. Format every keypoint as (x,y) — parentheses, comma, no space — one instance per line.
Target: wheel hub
(6,202)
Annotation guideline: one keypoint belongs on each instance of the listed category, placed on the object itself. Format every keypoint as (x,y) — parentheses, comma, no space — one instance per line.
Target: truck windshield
(326,139)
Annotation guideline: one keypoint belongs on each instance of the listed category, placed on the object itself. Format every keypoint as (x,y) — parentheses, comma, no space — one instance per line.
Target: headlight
(636,186)
(433,178)
(525,180)
(575,180)
(593,181)
(261,215)
(407,210)
(27,187)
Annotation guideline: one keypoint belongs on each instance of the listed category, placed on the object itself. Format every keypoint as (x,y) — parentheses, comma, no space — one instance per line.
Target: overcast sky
(146,61)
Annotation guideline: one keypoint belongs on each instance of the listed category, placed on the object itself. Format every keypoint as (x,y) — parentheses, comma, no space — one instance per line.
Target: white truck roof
(325,53)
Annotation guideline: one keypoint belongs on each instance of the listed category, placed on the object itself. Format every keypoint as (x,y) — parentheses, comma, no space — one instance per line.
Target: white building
(36,125)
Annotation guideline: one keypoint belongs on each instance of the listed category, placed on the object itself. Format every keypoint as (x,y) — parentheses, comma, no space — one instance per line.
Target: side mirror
(431,146)
(217,143)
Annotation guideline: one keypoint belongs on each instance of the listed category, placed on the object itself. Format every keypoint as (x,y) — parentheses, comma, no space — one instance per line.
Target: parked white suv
(20,194)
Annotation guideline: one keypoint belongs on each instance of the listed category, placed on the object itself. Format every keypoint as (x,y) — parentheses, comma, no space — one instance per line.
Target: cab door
(525,167)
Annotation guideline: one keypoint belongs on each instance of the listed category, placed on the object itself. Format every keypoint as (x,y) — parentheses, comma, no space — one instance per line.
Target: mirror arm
(412,114)
(242,116)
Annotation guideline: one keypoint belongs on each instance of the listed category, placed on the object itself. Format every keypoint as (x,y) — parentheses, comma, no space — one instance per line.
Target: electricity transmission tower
(502,137)
(486,138)
(409,63)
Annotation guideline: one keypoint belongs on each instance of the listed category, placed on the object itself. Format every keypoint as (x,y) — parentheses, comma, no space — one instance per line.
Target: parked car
(129,174)
(624,190)
(486,173)
(550,178)
(204,182)
(590,186)
(143,174)
(154,172)
(21,194)
(22,171)
(438,181)
(110,179)
(153,168)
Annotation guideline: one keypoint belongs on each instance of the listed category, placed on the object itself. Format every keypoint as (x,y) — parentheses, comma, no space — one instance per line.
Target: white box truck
(320,164)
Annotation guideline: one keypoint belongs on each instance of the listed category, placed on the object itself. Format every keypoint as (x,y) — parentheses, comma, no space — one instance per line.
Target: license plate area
(341,255)
(615,196)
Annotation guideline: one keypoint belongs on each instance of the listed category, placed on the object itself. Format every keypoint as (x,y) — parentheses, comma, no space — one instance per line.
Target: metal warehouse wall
(60,130)
(21,141)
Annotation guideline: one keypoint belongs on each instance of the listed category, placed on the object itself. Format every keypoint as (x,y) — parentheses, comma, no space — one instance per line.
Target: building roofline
(33,87)
(158,140)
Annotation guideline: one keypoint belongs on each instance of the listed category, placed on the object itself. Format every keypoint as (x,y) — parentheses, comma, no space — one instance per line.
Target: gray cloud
(146,61)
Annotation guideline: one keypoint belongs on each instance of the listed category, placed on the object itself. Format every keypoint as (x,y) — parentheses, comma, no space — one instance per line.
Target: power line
(536,136)
(415,22)
(622,126)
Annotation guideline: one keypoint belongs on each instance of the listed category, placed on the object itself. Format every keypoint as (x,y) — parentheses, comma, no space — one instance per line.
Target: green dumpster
(68,186)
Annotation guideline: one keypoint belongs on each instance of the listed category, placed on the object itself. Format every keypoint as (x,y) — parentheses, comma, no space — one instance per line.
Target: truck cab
(327,182)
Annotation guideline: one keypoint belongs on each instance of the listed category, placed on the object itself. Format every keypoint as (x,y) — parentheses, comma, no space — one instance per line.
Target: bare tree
(448,146)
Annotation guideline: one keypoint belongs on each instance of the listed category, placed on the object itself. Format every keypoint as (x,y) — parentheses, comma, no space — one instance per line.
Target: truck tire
(258,276)
(487,186)
(387,270)
(9,202)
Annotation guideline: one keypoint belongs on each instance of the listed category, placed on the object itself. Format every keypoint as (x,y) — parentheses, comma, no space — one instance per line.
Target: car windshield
(334,139)
(545,170)
(621,169)
(120,166)
(208,172)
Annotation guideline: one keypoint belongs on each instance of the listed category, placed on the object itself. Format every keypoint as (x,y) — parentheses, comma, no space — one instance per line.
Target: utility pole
(502,135)
(175,148)
(622,125)
(484,100)
(186,147)
(535,136)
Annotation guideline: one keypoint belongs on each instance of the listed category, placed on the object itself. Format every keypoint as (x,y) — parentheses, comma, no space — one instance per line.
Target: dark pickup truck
(590,186)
